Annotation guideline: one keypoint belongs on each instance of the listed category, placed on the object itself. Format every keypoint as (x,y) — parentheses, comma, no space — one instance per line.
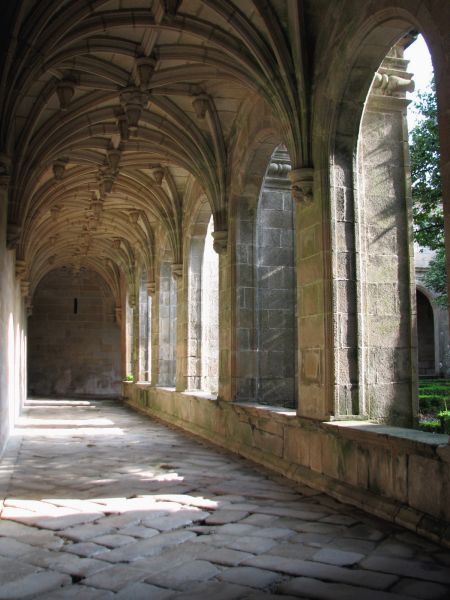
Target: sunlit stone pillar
(313,392)
(223,249)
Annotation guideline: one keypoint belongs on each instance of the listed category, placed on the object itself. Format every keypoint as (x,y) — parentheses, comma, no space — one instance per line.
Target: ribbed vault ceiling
(113,110)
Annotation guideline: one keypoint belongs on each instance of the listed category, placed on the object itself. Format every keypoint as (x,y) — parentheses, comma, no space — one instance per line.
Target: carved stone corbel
(65,89)
(21,267)
(151,288)
(59,166)
(158,175)
(145,66)
(13,234)
(302,186)
(391,85)
(200,105)
(5,172)
(177,270)
(220,243)
(24,288)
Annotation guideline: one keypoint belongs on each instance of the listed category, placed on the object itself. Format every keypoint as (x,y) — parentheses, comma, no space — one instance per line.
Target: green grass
(434,402)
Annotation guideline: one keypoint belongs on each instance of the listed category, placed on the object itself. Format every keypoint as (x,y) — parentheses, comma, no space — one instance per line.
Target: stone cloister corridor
(102,503)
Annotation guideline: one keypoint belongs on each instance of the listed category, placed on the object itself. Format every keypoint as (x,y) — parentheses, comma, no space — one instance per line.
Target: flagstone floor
(102,503)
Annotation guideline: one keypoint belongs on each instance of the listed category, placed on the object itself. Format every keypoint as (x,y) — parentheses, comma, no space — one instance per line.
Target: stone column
(151,291)
(155,331)
(313,389)
(222,247)
(388,320)
(134,305)
(237,271)
(181,333)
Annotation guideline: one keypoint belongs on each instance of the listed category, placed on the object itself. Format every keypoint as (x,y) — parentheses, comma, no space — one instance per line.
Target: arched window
(275,307)
(425,335)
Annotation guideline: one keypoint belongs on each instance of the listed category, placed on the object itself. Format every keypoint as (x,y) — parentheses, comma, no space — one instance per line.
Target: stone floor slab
(319,590)
(32,585)
(194,570)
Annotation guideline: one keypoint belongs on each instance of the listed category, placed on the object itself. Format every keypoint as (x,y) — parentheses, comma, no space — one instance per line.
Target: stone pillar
(226,371)
(155,332)
(388,320)
(181,326)
(313,391)
(237,272)
(134,305)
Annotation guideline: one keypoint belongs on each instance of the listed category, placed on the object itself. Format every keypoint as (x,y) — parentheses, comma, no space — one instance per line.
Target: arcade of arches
(205,209)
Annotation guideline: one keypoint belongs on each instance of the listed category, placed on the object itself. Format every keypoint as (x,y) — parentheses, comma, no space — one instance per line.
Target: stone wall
(13,327)
(398,474)
(74,341)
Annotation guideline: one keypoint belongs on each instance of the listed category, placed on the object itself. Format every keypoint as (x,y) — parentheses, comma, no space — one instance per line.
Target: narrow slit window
(75,306)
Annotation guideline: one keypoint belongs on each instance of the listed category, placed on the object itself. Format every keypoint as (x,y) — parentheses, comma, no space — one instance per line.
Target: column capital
(151,288)
(220,243)
(302,185)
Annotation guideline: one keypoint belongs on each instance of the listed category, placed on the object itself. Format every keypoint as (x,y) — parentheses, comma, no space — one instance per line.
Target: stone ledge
(386,435)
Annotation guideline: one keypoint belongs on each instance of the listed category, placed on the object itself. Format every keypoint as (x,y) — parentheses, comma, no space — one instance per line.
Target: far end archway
(425,335)
(74,340)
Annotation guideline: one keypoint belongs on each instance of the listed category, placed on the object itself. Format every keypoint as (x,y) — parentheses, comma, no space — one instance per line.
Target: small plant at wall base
(129,377)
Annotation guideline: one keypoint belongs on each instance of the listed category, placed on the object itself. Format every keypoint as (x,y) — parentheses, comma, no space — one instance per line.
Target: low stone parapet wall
(398,474)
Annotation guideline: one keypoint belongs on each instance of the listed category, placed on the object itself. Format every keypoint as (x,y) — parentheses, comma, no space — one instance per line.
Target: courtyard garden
(434,405)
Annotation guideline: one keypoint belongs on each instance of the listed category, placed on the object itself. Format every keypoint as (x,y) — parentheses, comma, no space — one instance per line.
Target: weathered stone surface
(32,585)
(249,576)
(407,568)
(195,570)
(147,547)
(312,588)
(337,557)
(420,589)
(320,571)
(143,591)
(114,578)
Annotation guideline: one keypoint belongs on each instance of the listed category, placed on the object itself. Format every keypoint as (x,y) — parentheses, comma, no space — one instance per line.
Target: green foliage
(129,377)
(434,395)
(426,175)
(436,278)
(431,425)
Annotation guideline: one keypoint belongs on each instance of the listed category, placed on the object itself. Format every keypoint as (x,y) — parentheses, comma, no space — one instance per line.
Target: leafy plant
(435,278)
(425,174)
(129,377)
